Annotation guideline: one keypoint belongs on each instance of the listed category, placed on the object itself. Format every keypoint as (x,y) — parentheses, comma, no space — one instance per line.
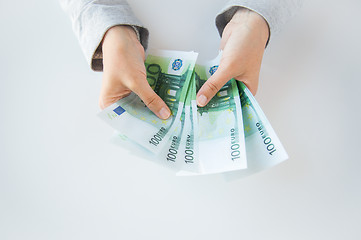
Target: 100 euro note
(171,153)
(167,72)
(264,149)
(188,149)
(220,126)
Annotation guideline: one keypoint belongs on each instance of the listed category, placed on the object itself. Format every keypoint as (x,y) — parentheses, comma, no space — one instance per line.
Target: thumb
(152,101)
(212,86)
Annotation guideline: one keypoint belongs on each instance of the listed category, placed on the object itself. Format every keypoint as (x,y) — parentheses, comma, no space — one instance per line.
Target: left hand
(243,43)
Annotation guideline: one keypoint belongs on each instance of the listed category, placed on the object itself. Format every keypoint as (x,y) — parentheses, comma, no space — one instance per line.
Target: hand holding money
(230,133)
(124,71)
(243,41)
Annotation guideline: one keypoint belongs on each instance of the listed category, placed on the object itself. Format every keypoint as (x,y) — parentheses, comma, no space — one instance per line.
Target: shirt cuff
(225,17)
(95,20)
(275,12)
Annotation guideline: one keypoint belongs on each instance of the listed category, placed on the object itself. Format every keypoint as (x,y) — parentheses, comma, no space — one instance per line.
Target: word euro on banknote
(167,73)
(221,138)
(188,150)
(171,152)
(264,148)
(185,154)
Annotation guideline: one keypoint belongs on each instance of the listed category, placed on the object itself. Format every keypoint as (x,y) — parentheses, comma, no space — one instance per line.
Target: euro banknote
(221,143)
(264,148)
(230,133)
(189,155)
(168,73)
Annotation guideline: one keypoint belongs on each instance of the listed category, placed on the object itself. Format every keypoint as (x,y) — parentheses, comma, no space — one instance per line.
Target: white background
(61,178)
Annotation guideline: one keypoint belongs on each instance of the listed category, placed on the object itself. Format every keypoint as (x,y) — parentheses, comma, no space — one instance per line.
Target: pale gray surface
(60,178)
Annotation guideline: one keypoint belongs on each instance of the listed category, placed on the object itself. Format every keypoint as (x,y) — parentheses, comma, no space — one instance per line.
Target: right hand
(124,71)
(243,42)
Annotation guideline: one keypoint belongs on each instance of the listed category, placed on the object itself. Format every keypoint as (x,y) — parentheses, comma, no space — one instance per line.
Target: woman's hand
(124,71)
(243,43)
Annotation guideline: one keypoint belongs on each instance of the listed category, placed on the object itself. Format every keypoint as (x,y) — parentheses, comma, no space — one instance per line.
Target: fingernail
(164,113)
(201,100)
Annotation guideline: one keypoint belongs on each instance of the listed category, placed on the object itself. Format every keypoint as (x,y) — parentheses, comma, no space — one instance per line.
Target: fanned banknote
(221,137)
(264,148)
(188,149)
(170,154)
(230,133)
(167,74)
(177,86)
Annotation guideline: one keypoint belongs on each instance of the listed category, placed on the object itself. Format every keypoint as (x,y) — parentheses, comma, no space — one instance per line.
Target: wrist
(252,21)
(118,36)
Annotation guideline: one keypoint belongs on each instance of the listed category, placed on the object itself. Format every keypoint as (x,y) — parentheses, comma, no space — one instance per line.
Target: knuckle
(151,101)
(136,82)
(213,87)
(132,85)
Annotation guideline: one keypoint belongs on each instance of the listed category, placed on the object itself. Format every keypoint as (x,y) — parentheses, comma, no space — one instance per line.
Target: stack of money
(230,133)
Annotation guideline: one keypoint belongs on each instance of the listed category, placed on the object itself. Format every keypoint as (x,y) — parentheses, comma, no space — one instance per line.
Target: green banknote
(168,73)
(220,126)
(230,133)
(183,143)
(170,153)
(188,153)
(264,149)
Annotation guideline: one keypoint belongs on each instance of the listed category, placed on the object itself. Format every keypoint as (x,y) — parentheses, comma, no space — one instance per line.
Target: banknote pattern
(230,133)
(168,73)
(221,138)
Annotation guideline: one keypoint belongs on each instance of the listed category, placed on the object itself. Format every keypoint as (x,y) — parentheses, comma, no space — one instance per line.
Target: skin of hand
(124,71)
(243,42)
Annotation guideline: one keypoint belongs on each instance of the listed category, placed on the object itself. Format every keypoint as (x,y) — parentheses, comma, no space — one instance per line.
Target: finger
(152,100)
(212,86)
